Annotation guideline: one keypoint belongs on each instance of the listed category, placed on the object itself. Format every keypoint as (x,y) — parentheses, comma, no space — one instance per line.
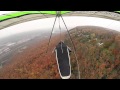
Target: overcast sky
(46,24)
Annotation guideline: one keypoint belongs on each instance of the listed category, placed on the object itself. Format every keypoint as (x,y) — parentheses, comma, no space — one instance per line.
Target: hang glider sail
(24,16)
(14,18)
(23,13)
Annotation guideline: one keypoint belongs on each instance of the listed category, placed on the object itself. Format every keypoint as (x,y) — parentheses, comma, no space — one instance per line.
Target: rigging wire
(107,26)
(60,39)
(60,32)
(60,28)
(59,15)
(73,47)
(51,33)
(43,14)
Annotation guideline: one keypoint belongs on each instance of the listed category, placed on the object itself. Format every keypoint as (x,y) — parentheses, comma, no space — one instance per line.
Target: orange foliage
(34,63)
(96,61)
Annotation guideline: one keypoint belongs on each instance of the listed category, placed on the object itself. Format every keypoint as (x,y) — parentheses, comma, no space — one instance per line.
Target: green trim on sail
(22,13)
(117,11)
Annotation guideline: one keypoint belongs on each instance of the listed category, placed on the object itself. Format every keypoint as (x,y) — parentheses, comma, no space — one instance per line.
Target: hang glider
(14,18)
(63,58)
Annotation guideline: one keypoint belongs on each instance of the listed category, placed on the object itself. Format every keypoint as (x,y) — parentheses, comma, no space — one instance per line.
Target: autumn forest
(97,49)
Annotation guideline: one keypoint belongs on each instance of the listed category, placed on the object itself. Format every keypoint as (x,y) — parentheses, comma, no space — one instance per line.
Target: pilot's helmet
(61,42)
